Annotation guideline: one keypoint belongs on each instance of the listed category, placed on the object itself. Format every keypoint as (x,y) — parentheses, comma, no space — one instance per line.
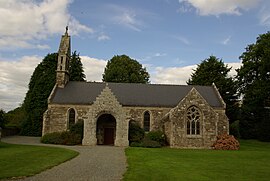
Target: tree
(213,70)
(40,86)
(126,70)
(254,84)
(14,117)
(35,103)
(76,71)
(2,119)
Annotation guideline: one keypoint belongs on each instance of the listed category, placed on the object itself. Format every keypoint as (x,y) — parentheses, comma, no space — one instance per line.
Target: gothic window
(146,121)
(71,117)
(193,121)
(62,59)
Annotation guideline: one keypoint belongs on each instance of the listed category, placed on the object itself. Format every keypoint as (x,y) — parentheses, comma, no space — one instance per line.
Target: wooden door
(108,136)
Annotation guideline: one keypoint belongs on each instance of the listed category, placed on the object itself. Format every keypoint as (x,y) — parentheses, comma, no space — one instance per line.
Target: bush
(135,133)
(234,129)
(52,138)
(148,143)
(77,128)
(62,138)
(157,136)
(70,138)
(226,142)
(136,144)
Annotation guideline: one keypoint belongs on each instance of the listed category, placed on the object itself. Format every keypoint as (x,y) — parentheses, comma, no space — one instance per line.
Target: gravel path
(94,163)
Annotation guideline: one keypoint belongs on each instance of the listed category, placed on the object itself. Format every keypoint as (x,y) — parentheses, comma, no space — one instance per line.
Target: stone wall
(55,119)
(156,115)
(223,122)
(176,130)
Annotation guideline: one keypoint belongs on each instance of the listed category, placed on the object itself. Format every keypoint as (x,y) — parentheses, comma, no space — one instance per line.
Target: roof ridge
(154,84)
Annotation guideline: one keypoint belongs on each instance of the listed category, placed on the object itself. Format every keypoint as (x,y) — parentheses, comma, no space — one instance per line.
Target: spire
(66,30)
(64,53)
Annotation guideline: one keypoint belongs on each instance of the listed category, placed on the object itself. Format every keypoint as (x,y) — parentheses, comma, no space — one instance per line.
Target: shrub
(52,138)
(135,133)
(70,138)
(226,142)
(77,128)
(62,138)
(148,143)
(136,144)
(234,129)
(157,136)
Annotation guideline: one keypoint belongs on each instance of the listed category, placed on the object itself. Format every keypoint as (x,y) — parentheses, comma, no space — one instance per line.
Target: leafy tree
(254,84)
(213,70)
(40,86)
(126,70)
(15,117)
(76,71)
(35,103)
(2,118)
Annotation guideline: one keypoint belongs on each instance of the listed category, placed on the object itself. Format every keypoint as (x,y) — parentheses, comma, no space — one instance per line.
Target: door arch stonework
(106,103)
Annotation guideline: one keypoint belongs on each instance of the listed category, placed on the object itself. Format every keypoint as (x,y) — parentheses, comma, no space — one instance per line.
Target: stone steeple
(64,53)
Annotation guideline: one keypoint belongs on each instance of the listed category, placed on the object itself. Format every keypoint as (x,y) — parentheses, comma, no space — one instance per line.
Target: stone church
(190,116)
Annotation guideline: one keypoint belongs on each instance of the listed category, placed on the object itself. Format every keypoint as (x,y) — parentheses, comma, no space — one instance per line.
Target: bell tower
(62,72)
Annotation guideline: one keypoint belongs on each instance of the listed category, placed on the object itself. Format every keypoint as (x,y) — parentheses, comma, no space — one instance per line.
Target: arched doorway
(106,129)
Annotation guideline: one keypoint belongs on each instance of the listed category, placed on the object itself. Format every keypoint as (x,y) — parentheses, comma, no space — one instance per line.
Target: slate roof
(145,95)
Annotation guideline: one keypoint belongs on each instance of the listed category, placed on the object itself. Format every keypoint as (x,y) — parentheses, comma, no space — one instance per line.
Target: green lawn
(251,162)
(24,160)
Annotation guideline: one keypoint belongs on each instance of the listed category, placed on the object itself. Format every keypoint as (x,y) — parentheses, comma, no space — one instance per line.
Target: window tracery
(193,121)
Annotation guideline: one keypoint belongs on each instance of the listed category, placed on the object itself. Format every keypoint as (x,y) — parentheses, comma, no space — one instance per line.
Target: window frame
(69,116)
(148,121)
(193,121)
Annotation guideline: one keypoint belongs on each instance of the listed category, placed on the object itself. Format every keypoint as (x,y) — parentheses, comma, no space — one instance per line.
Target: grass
(251,162)
(25,160)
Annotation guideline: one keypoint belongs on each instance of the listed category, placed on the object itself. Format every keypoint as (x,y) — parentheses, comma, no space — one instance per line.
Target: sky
(168,37)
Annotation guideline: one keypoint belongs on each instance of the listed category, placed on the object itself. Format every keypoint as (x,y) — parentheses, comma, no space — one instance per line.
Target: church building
(190,116)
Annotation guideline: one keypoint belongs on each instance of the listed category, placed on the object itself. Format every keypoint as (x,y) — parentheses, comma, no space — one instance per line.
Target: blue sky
(169,37)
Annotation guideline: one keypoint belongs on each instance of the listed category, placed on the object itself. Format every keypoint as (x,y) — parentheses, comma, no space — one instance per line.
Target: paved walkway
(94,163)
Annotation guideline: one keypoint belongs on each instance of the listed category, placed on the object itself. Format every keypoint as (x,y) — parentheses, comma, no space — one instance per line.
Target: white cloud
(234,65)
(43,47)
(103,37)
(93,68)
(125,16)
(182,39)
(152,56)
(226,41)
(218,7)
(180,75)
(24,23)
(128,19)
(171,75)
(160,54)
(14,79)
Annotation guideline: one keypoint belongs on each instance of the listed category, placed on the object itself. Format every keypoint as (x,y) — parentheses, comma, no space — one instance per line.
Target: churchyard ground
(251,162)
(26,160)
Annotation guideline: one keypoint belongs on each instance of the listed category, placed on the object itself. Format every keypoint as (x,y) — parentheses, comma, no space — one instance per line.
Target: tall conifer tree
(40,86)
(213,70)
